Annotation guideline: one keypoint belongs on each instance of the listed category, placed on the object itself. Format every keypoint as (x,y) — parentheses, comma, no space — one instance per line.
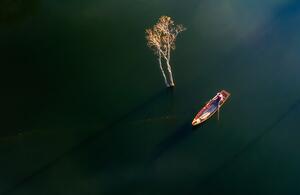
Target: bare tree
(161,39)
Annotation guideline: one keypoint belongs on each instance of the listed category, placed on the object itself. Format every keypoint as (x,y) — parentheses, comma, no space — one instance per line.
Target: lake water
(86,110)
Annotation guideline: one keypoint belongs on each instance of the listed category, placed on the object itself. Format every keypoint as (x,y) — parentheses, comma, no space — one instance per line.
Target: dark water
(86,111)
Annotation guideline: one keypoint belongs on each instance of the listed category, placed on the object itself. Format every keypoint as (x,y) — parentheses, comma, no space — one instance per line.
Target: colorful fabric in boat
(213,106)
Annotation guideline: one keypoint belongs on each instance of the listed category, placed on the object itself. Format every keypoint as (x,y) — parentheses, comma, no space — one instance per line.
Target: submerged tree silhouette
(161,39)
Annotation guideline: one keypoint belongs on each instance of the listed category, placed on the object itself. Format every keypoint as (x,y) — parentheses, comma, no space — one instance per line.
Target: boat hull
(210,108)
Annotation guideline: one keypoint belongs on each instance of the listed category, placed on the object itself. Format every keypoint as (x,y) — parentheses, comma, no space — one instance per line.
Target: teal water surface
(86,110)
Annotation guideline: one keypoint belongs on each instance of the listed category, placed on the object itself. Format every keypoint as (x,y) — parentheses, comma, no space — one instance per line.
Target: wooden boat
(211,107)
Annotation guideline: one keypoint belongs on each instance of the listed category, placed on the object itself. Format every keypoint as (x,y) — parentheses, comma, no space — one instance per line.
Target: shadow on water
(93,137)
(249,145)
(163,93)
(172,140)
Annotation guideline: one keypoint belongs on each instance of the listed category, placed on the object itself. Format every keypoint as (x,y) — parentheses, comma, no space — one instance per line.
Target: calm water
(86,111)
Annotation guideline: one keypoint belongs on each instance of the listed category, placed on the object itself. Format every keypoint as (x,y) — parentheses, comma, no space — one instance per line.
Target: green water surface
(85,109)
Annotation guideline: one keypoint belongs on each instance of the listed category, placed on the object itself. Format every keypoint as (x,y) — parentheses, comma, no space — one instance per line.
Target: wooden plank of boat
(210,108)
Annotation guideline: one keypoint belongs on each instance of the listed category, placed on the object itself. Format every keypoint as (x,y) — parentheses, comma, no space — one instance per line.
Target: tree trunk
(162,71)
(170,73)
